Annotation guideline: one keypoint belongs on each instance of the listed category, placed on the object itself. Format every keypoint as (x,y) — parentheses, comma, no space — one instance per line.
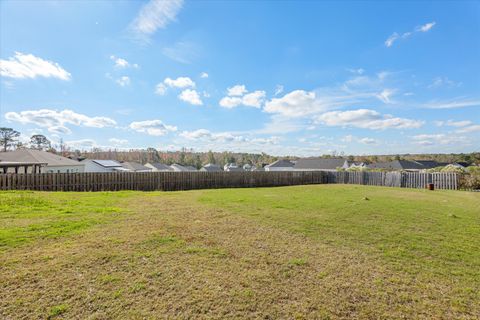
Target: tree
(8,137)
(211,157)
(40,142)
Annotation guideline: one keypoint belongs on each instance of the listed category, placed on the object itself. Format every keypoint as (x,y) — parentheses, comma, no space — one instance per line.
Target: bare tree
(8,137)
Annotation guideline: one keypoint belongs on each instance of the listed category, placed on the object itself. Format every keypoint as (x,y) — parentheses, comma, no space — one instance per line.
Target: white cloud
(452,104)
(204,75)
(51,118)
(237,90)
(161,89)
(452,123)
(366,119)
(395,36)
(121,63)
(81,144)
(469,129)
(118,142)
(230,102)
(123,81)
(390,40)
(237,95)
(206,135)
(368,141)
(438,139)
(23,66)
(254,99)
(154,15)
(180,82)
(297,103)
(152,127)
(426,27)
(191,96)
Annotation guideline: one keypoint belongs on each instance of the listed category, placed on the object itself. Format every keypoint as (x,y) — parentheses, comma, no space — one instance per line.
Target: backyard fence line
(172,181)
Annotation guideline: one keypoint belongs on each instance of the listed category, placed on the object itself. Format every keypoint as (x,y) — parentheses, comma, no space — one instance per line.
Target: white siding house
(102,166)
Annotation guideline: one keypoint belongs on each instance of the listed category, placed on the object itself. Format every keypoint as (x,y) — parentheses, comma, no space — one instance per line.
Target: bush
(471,180)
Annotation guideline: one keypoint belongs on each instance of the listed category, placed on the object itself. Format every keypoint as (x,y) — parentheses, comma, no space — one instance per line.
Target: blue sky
(286,78)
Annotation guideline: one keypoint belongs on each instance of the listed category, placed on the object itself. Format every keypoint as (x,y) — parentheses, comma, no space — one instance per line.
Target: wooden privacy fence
(170,181)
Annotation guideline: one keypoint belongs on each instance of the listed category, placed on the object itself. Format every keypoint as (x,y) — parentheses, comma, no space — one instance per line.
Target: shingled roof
(319,164)
(37,156)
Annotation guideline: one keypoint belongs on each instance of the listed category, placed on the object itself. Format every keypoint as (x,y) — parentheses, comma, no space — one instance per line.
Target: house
(135,167)
(179,168)
(232,167)
(247,167)
(157,166)
(46,161)
(398,165)
(280,165)
(322,164)
(103,166)
(211,168)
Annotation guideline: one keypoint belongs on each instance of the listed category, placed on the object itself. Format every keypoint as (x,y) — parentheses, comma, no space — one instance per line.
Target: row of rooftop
(29,160)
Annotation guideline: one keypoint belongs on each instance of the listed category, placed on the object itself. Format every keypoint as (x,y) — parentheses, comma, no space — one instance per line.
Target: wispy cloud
(152,127)
(154,15)
(22,66)
(460,102)
(123,81)
(182,51)
(58,120)
(366,119)
(396,36)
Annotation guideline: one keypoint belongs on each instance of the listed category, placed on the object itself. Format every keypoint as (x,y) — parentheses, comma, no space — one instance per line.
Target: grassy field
(304,252)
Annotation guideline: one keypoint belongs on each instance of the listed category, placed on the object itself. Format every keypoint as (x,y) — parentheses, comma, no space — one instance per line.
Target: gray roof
(430,164)
(211,168)
(107,163)
(178,167)
(160,166)
(319,164)
(398,165)
(135,166)
(281,164)
(37,156)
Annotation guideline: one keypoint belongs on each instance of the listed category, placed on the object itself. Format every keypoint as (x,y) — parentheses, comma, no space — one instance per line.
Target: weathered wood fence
(170,181)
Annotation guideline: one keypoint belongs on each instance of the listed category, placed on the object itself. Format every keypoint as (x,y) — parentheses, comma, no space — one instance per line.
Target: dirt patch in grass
(173,257)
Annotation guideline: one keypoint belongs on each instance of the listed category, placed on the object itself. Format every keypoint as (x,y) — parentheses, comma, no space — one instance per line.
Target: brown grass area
(173,258)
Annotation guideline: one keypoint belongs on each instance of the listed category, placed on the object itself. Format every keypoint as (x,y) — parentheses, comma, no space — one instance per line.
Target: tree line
(9,140)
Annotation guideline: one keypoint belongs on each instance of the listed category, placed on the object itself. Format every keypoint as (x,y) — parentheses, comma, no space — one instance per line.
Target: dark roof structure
(210,167)
(319,164)
(281,164)
(398,165)
(160,166)
(135,166)
(430,164)
(108,163)
(37,156)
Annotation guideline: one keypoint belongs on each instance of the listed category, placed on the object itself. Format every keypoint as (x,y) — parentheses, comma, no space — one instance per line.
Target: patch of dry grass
(173,257)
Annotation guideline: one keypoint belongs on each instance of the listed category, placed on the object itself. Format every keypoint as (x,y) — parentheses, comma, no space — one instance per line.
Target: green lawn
(313,252)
